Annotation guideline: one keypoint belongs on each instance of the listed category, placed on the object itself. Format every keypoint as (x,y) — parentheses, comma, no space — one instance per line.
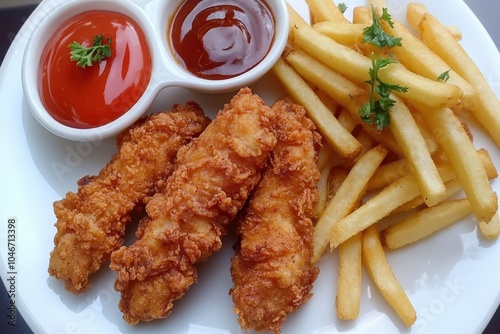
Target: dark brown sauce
(220,39)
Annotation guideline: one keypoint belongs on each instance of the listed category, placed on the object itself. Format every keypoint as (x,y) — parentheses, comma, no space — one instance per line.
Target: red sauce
(98,94)
(220,39)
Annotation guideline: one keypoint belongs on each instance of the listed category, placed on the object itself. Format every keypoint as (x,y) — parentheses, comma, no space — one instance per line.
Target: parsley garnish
(86,56)
(444,76)
(342,7)
(376,112)
(375,35)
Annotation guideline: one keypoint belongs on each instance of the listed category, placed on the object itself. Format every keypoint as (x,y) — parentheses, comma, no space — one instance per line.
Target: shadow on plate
(62,162)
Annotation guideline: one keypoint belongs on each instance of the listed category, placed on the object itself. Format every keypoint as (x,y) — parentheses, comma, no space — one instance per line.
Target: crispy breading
(91,222)
(272,269)
(184,225)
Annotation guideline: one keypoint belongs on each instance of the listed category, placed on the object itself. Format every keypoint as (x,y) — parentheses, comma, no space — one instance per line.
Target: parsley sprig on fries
(375,35)
(445,76)
(376,112)
(342,7)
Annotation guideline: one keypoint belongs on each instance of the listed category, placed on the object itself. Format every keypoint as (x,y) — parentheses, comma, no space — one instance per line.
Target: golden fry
(463,156)
(388,173)
(453,187)
(383,277)
(349,278)
(326,156)
(346,197)
(416,11)
(343,33)
(336,178)
(325,10)
(439,39)
(414,148)
(490,230)
(335,85)
(366,141)
(425,223)
(323,188)
(432,145)
(347,120)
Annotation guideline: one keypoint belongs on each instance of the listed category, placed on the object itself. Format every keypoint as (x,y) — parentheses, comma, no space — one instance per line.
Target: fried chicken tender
(184,225)
(272,270)
(91,223)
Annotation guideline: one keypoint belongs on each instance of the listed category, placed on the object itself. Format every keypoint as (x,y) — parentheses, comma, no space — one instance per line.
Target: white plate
(451,278)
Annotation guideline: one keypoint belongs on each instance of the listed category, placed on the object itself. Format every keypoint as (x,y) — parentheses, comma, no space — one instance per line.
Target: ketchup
(98,94)
(220,39)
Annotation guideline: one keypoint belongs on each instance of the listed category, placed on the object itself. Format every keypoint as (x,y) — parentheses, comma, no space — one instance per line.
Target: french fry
(336,178)
(349,278)
(414,148)
(432,145)
(415,11)
(439,39)
(326,156)
(347,121)
(366,141)
(425,223)
(490,230)
(332,105)
(322,186)
(445,168)
(325,10)
(335,85)
(388,173)
(340,140)
(453,187)
(346,197)
(376,208)
(354,66)
(463,156)
(343,33)
(383,277)
(455,32)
